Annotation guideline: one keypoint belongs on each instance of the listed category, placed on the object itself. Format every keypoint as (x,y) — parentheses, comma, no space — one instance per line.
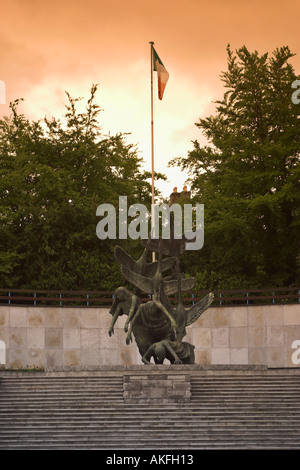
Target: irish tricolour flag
(162,74)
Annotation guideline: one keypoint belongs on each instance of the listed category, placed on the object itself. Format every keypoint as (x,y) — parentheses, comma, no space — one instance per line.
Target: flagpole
(152,145)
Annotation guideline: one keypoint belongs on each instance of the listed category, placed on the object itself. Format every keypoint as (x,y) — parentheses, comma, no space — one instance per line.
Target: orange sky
(47,47)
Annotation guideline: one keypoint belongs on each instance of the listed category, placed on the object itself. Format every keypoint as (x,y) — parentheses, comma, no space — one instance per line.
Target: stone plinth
(157,388)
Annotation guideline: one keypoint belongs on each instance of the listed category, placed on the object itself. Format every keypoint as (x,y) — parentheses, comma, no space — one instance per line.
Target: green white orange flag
(162,74)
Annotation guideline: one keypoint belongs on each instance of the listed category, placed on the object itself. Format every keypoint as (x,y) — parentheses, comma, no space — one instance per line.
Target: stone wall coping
(146,369)
(281,371)
(122,371)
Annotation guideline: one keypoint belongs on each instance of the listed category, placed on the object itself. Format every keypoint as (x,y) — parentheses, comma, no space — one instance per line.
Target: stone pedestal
(157,388)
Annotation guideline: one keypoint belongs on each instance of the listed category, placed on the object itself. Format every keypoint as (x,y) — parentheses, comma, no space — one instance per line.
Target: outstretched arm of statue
(129,334)
(115,317)
(134,301)
(147,356)
(168,346)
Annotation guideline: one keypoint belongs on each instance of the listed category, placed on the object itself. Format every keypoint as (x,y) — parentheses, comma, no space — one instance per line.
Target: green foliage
(53,176)
(248,177)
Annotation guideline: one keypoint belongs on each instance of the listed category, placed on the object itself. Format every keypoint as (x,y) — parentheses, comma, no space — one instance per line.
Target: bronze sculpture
(158,328)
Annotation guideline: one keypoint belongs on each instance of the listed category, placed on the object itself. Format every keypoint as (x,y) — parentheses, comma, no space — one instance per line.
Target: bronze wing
(196,310)
(147,269)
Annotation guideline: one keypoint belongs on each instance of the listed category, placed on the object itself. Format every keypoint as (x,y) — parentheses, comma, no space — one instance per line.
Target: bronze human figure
(158,327)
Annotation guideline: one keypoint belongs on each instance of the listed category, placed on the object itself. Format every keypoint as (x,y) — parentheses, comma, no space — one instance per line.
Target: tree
(248,176)
(53,176)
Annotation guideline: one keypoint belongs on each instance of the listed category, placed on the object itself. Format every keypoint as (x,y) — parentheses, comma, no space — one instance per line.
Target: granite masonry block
(54,338)
(53,358)
(291,314)
(238,337)
(257,356)
(89,338)
(256,315)
(71,358)
(36,338)
(238,317)
(17,317)
(90,357)
(71,338)
(274,314)
(203,356)
(291,334)
(275,336)
(239,356)
(220,356)
(89,318)
(275,357)
(36,318)
(35,358)
(18,337)
(220,337)
(156,388)
(53,317)
(219,318)
(71,318)
(4,317)
(201,337)
(256,336)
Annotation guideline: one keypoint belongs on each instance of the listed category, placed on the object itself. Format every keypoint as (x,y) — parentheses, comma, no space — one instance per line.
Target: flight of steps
(258,410)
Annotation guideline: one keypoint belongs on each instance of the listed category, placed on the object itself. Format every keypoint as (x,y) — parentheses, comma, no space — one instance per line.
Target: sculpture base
(157,388)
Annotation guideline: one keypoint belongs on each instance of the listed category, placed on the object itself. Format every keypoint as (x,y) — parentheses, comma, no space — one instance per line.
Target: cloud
(49,47)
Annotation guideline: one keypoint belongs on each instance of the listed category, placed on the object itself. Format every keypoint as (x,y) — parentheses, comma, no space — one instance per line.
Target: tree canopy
(53,175)
(248,177)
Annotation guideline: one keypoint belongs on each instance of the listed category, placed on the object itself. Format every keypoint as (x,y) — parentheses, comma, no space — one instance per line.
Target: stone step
(196,401)
(89,443)
(206,442)
(55,384)
(88,412)
(218,419)
(65,424)
(131,432)
(117,405)
(196,393)
(223,435)
(142,412)
(229,418)
(64,391)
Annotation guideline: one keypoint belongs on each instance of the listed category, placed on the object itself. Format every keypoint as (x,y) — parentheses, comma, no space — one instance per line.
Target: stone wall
(48,337)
